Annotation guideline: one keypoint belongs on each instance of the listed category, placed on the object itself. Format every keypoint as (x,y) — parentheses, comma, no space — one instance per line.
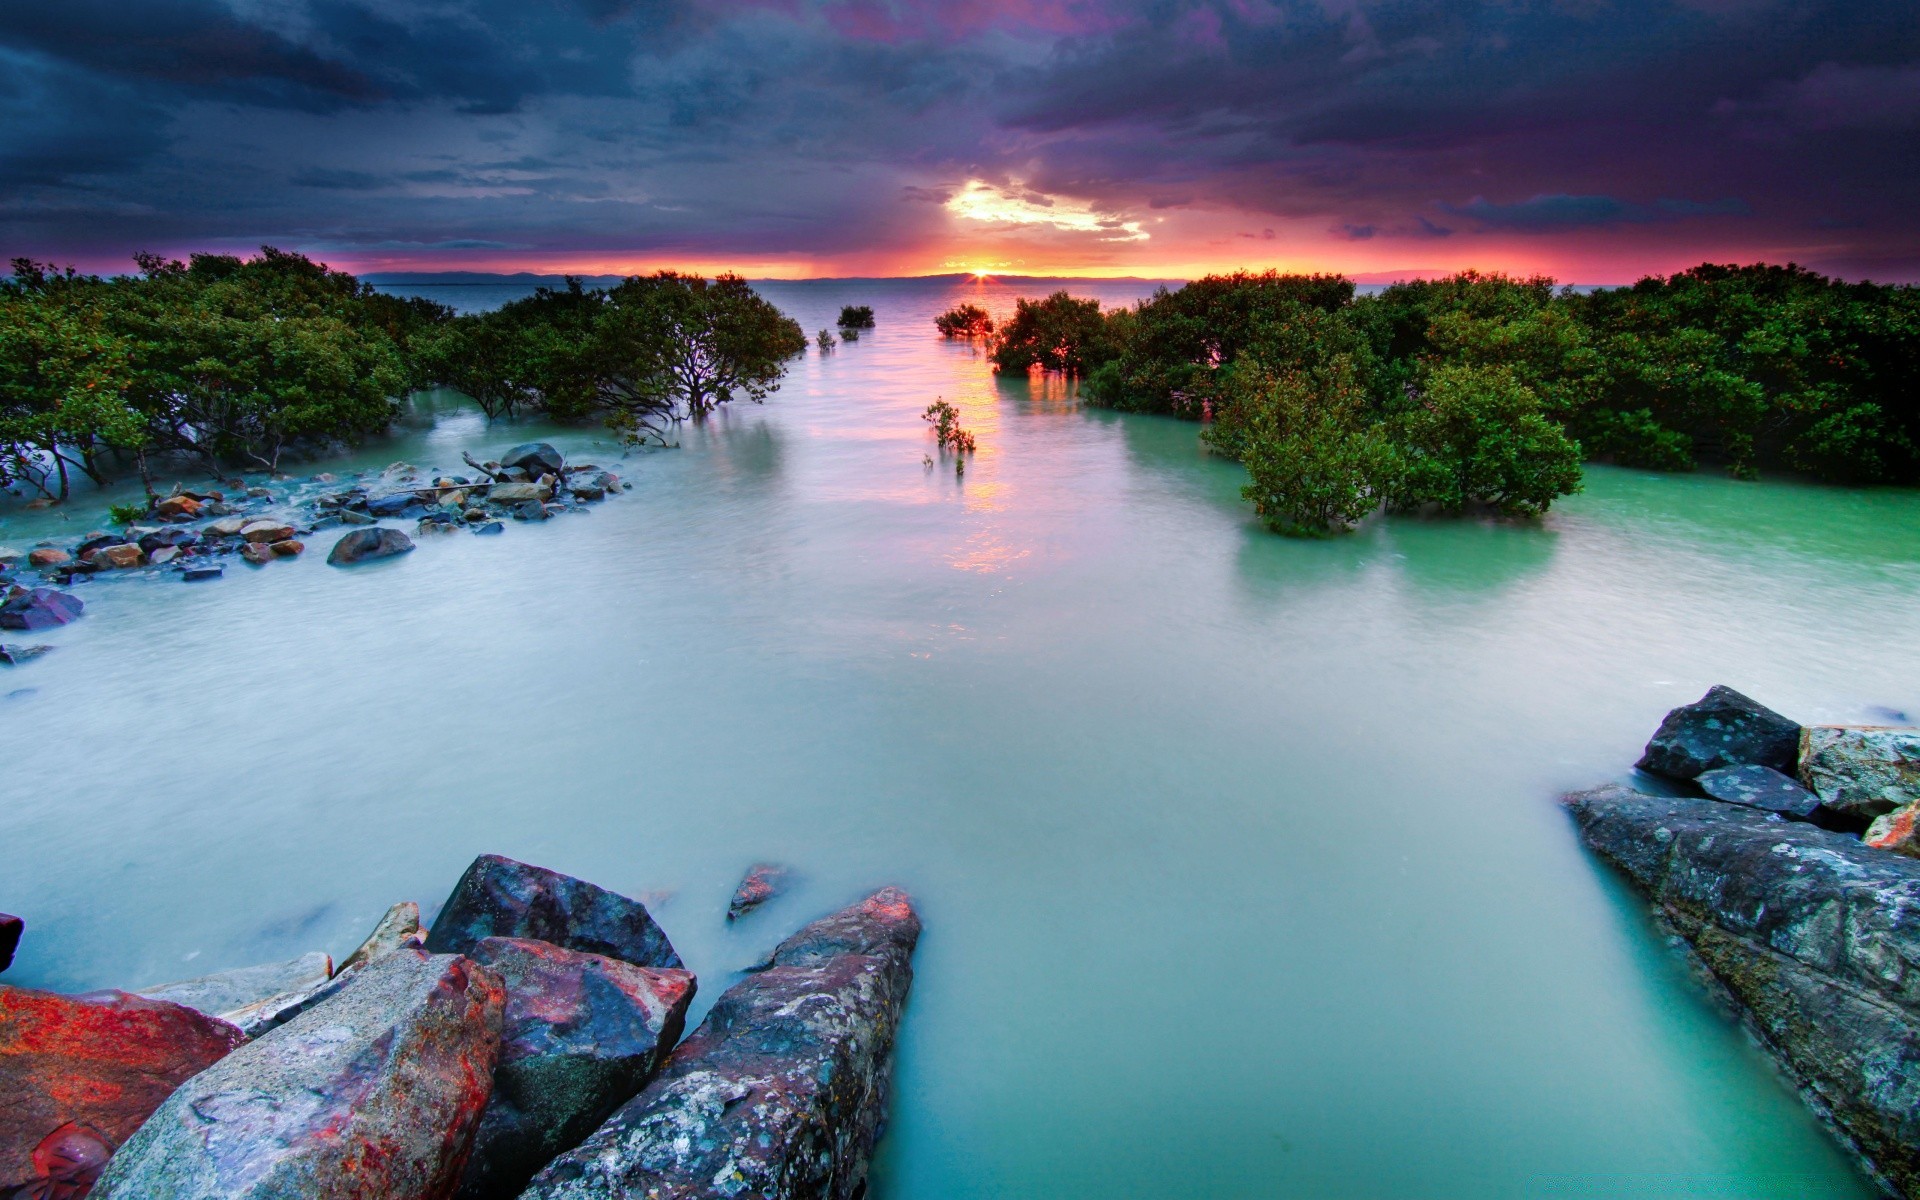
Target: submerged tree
(1478,436)
(1059,333)
(964,321)
(856,316)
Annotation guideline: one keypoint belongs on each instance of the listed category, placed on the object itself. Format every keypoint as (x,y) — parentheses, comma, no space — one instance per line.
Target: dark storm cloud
(750,129)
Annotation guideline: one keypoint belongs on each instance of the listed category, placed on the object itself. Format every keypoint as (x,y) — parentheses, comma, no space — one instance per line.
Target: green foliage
(125,514)
(825,341)
(1059,333)
(856,316)
(1477,436)
(964,321)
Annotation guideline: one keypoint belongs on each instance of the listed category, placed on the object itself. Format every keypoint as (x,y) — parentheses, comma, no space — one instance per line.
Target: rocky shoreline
(193,534)
(528,1044)
(1792,875)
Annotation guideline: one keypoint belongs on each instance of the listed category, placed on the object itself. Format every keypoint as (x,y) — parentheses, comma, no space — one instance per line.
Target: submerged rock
(399,504)
(498,897)
(78,1074)
(583,1033)
(375,1094)
(1861,771)
(1759,787)
(39,608)
(13,656)
(11,927)
(1721,729)
(762,882)
(223,992)
(781,1092)
(1815,935)
(490,528)
(535,458)
(362,545)
(196,574)
(48,556)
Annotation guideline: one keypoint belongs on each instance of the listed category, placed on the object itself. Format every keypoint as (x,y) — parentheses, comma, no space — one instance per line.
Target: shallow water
(1239,858)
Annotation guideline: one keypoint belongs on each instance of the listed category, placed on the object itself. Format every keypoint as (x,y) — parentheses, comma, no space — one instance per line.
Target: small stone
(429,526)
(491,527)
(259,493)
(196,574)
(362,545)
(266,531)
(163,556)
(290,548)
(475,515)
(119,557)
(519,493)
(326,477)
(349,516)
(48,557)
(13,656)
(1861,771)
(532,510)
(257,553)
(11,927)
(1759,787)
(227,527)
(160,539)
(762,883)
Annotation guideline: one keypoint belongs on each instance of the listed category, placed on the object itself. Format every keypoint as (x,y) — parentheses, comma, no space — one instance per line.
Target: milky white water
(1238,856)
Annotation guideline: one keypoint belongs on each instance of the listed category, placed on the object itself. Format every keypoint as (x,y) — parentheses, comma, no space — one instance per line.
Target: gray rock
(498,897)
(490,528)
(781,1092)
(375,1094)
(1721,729)
(583,1033)
(196,574)
(1861,771)
(511,494)
(535,458)
(1813,934)
(13,656)
(362,545)
(349,516)
(532,510)
(1759,787)
(400,927)
(225,991)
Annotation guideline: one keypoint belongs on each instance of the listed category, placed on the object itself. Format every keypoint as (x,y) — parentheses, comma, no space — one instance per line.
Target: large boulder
(39,608)
(498,897)
(373,1096)
(1814,934)
(583,1033)
(781,1092)
(535,458)
(78,1074)
(224,992)
(367,543)
(1861,771)
(1721,729)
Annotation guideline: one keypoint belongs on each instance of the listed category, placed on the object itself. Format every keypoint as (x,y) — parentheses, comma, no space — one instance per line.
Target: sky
(1591,140)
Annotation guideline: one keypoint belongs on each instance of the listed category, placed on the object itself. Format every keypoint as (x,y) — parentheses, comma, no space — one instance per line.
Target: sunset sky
(1587,139)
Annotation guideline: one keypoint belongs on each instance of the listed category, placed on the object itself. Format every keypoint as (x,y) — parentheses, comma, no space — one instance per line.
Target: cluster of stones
(1792,872)
(528,1044)
(192,531)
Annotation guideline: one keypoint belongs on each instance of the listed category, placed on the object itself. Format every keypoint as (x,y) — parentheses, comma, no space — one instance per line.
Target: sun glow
(1015,205)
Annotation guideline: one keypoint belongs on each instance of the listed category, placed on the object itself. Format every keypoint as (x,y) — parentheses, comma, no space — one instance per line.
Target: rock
(535,458)
(47,556)
(39,608)
(491,527)
(1861,771)
(94,541)
(431,526)
(291,548)
(498,897)
(781,1092)
(532,510)
(161,539)
(762,882)
(360,545)
(259,493)
(227,527)
(266,531)
(1759,787)
(374,1094)
(510,494)
(326,477)
(1814,935)
(583,1033)
(1898,831)
(399,504)
(15,655)
(455,499)
(119,557)
(196,574)
(102,1062)
(225,991)
(11,927)
(1721,729)
(177,508)
(257,553)
(399,928)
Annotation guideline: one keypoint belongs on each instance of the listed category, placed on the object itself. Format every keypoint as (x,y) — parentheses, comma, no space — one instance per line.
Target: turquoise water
(1238,855)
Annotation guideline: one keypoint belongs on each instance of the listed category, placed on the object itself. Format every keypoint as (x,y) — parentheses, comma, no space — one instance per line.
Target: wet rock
(398,929)
(326,477)
(101,1062)
(259,493)
(374,1094)
(223,992)
(39,608)
(362,545)
(1861,771)
(434,526)
(535,458)
(1815,935)
(532,510)
(1721,729)
(177,508)
(48,556)
(350,516)
(291,548)
(781,1092)
(117,557)
(161,539)
(762,882)
(499,897)
(583,1033)
(1759,787)
(399,504)
(163,556)
(227,527)
(197,574)
(510,494)
(11,927)
(15,655)
(257,553)
(94,541)
(266,531)
(490,527)
(1898,831)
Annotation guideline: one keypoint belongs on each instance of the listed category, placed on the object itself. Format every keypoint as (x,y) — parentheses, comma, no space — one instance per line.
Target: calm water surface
(1239,858)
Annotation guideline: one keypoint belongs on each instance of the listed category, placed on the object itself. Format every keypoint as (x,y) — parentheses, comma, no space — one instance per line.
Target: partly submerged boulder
(1815,935)
(535,458)
(39,608)
(373,1096)
(1721,729)
(398,928)
(368,542)
(1759,787)
(583,1033)
(781,1092)
(498,897)
(761,883)
(78,1074)
(1861,771)
(221,993)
